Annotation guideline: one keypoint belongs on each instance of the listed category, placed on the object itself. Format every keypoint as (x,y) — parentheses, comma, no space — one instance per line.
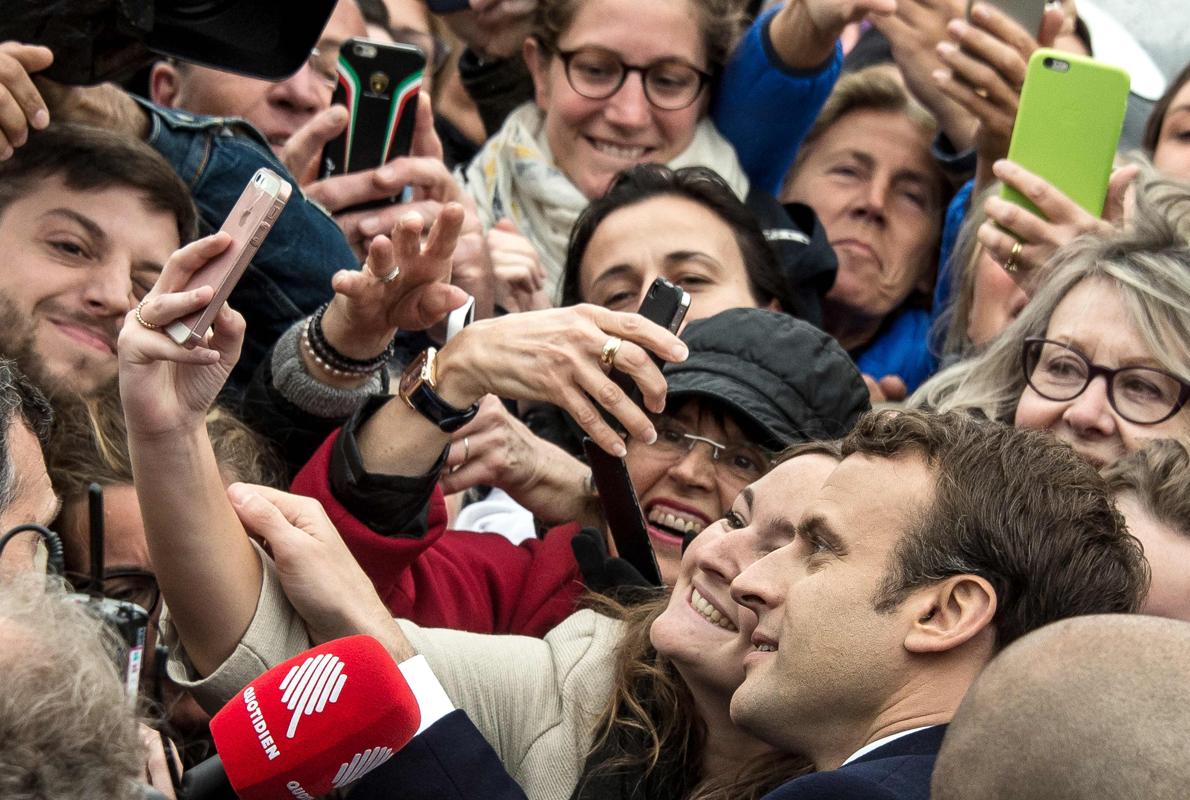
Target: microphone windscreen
(317,722)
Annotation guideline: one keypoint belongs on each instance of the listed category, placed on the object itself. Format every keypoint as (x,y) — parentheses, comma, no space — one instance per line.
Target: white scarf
(514,176)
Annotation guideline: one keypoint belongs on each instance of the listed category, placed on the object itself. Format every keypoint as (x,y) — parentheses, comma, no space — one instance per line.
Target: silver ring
(392,276)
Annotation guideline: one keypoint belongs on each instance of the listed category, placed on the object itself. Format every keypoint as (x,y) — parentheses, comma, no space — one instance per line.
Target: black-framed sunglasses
(1141,395)
(129,585)
(597,74)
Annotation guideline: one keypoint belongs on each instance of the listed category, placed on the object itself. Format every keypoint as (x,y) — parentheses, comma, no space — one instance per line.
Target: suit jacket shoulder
(900,770)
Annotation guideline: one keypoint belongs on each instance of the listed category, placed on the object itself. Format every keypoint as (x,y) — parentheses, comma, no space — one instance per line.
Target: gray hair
(1149,263)
(66,727)
(18,394)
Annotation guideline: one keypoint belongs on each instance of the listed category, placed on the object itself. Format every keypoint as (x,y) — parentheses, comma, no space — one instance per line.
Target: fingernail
(387,172)
(979,11)
(619,449)
(41,118)
(957,27)
(370,226)
(946,49)
(650,436)
(940,75)
(680,352)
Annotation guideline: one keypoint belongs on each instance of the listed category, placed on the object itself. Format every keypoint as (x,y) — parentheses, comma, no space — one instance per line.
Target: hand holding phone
(666,305)
(248,223)
(379,84)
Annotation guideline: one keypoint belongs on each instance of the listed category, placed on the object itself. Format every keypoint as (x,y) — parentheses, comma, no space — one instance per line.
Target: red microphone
(317,722)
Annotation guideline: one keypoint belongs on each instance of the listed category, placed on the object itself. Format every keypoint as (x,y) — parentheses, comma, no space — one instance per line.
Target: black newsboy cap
(773,373)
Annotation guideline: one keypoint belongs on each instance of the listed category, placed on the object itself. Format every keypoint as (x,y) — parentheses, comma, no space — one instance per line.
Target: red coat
(478,582)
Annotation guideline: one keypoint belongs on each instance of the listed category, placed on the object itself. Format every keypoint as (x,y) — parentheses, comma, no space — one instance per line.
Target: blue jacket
(899,770)
(765,109)
(290,277)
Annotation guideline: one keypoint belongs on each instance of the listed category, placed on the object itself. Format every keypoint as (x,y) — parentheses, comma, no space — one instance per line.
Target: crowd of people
(915,469)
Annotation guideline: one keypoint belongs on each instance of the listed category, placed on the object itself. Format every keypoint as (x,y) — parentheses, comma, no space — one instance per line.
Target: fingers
(21,105)
(303,149)
(444,233)
(894,388)
(580,408)
(1053,204)
(188,260)
(280,514)
(1117,193)
(999,245)
(1003,28)
(1051,25)
(163,309)
(261,517)
(636,328)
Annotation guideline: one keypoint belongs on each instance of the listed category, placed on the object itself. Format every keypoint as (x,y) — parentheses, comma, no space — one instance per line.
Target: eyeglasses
(597,74)
(1141,395)
(128,585)
(745,462)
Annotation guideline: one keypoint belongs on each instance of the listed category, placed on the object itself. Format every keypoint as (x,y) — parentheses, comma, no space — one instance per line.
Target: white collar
(867,748)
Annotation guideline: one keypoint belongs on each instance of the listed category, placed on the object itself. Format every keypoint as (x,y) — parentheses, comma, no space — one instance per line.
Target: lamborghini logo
(378,82)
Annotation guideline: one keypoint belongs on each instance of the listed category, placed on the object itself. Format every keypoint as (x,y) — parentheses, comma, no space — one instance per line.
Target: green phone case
(1068,126)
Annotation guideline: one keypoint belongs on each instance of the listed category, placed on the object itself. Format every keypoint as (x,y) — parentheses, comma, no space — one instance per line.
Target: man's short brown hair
(1158,476)
(91,159)
(1015,507)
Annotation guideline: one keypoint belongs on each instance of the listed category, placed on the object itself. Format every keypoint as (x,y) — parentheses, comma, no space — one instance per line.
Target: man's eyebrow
(817,528)
(93,230)
(784,527)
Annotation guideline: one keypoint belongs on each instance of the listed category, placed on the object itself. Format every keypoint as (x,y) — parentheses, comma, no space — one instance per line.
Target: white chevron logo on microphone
(309,687)
(361,765)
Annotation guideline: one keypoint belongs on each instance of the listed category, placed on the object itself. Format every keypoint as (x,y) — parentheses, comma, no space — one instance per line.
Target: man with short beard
(87,220)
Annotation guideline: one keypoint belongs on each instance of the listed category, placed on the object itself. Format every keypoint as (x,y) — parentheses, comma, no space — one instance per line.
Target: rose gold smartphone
(249,222)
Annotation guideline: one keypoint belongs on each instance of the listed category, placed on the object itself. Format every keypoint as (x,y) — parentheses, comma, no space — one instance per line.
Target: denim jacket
(291,273)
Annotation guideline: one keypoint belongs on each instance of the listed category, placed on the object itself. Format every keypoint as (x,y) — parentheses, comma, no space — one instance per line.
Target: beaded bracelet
(330,359)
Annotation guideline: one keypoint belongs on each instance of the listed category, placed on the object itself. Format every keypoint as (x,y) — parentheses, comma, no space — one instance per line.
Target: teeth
(701,605)
(675,522)
(766,648)
(626,153)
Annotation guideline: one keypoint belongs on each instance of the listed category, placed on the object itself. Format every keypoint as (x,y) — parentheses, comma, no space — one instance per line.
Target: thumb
(260,517)
(506,224)
(306,144)
(1051,25)
(1117,192)
(425,138)
(893,387)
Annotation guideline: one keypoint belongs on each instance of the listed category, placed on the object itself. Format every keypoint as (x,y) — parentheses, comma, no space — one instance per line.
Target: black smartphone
(666,305)
(379,84)
(621,509)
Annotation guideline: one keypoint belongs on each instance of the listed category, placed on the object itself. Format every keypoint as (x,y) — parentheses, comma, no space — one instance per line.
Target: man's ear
(165,84)
(538,62)
(950,613)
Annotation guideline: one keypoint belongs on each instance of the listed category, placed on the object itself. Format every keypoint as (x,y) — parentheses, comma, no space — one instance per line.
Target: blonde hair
(1148,263)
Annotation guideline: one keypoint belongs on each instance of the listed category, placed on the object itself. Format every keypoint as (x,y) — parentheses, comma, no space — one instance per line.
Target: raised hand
(518,271)
(1061,220)
(21,105)
(555,356)
(164,386)
(404,284)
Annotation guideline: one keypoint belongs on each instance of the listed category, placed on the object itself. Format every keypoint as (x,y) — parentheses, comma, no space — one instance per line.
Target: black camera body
(99,40)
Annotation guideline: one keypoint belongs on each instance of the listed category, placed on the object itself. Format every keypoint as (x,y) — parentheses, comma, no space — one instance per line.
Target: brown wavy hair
(652,703)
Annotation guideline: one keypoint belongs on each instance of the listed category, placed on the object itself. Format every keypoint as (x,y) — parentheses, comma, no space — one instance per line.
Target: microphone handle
(207,781)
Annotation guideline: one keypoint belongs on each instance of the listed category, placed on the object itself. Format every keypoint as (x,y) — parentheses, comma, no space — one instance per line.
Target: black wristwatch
(419,390)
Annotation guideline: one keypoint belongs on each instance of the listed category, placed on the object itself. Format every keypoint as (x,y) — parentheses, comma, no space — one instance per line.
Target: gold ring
(607,356)
(1010,266)
(141,319)
(466,449)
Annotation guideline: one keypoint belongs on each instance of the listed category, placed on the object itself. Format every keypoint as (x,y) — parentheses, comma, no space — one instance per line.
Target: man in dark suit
(937,541)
